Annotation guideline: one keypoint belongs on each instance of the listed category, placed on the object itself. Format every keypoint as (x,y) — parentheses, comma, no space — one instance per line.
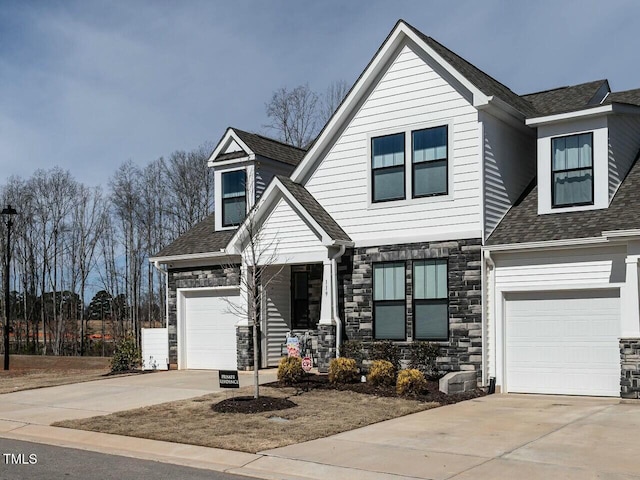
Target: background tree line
(70,240)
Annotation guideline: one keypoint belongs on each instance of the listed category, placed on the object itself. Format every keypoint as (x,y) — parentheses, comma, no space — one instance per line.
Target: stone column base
(244,347)
(326,346)
(630,368)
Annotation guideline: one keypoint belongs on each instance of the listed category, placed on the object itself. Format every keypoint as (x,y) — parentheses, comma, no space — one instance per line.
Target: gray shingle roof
(485,83)
(631,97)
(565,99)
(317,212)
(266,147)
(200,239)
(523,224)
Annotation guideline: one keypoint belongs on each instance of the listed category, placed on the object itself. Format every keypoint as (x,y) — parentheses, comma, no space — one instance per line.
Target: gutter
(190,256)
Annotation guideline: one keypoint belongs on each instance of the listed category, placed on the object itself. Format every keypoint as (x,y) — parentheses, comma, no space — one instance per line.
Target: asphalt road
(34,461)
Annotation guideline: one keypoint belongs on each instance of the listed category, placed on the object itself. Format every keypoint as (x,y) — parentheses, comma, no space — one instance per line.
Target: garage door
(210,330)
(563,343)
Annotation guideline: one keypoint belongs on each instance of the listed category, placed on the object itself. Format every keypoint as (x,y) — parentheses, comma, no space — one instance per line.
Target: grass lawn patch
(319,411)
(37,371)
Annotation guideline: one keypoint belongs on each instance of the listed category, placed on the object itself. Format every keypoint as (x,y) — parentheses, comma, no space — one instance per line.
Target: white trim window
(234,197)
(389,301)
(429,161)
(425,172)
(387,164)
(431,300)
(572,170)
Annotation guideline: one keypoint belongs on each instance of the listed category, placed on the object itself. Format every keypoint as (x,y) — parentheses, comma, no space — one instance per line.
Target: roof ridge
(563,87)
(268,139)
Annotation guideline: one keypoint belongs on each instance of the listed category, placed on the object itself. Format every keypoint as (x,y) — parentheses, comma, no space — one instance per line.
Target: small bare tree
(260,267)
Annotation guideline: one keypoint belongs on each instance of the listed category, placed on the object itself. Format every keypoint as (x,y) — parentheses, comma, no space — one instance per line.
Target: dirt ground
(37,371)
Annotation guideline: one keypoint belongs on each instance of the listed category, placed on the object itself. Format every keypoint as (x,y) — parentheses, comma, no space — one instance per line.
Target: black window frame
(568,170)
(428,301)
(297,304)
(244,172)
(402,168)
(375,302)
(413,165)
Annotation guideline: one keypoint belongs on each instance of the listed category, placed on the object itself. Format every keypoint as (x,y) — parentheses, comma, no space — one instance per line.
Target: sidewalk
(498,436)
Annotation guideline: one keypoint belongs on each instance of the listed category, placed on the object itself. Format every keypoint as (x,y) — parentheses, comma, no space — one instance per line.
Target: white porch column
(326,310)
(629,300)
(244,295)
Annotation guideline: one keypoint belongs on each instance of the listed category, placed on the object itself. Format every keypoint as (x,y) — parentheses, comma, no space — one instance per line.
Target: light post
(8,213)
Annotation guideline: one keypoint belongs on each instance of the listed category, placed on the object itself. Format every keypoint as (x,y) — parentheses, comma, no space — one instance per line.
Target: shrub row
(423,355)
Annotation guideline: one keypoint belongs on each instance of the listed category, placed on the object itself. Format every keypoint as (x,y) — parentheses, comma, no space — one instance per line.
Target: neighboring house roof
(630,97)
(522,224)
(265,147)
(317,212)
(201,238)
(566,99)
(485,83)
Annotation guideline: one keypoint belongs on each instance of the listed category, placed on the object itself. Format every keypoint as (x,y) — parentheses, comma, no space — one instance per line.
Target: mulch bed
(321,382)
(252,405)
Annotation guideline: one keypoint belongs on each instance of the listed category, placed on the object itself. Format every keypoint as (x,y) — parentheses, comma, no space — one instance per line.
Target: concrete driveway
(499,436)
(44,406)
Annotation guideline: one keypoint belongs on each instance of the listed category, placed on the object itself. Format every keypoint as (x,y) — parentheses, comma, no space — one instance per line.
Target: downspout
(166,291)
(490,286)
(334,293)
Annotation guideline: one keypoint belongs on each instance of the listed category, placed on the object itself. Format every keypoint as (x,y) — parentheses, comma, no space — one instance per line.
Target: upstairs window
(429,161)
(389,301)
(572,170)
(387,164)
(234,198)
(431,300)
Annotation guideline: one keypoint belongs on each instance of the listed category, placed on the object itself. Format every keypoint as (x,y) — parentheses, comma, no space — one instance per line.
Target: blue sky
(87,85)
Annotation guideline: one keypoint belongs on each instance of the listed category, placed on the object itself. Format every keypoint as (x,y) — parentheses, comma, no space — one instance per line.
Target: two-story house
(395,224)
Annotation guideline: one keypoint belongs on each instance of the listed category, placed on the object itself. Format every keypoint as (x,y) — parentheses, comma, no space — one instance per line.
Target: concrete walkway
(499,436)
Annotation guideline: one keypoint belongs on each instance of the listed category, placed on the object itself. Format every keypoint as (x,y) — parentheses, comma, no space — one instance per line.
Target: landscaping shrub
(410,382)
(388,351)
(353,349)
(382,373)
(290,370)
(423,358)
(126,356)
(343,370)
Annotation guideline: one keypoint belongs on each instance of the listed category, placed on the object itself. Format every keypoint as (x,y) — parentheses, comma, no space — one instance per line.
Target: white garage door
(210,330)
(563,342)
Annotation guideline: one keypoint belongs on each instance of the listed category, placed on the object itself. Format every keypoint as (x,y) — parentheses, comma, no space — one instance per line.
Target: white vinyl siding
(277,309)
(624,144)
(284,236)
(509,166)
(265,170)
(410,95)
(561,268)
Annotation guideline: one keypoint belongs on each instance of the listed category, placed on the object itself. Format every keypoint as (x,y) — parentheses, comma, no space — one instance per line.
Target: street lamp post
(8,213)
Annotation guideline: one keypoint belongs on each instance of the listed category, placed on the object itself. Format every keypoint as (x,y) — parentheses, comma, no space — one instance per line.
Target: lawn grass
(36,371)
(319,413)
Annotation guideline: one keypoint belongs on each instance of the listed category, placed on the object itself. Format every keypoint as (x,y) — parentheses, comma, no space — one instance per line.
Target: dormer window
(234,197)
(572,170)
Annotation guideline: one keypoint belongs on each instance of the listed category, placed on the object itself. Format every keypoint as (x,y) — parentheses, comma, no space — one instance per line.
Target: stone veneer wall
(630,368)
(194,277)
(463,350)
(244,347)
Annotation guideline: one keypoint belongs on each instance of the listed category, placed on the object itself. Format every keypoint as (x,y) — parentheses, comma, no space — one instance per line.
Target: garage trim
(181,295)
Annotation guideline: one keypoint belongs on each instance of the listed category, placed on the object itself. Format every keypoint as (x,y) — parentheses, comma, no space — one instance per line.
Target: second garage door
(563,342)
(210,329)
